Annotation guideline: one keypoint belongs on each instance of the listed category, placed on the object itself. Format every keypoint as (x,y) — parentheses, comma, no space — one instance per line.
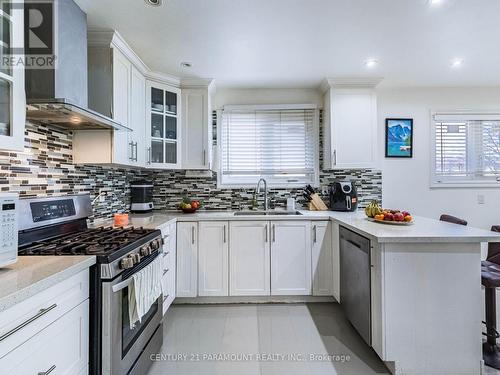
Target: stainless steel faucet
(257,192)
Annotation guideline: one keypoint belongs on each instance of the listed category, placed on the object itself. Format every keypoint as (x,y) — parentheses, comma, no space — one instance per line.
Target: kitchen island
(424,279)
(426,299)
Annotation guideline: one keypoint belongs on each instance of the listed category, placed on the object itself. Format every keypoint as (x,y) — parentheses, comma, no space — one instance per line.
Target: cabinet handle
(136,152)
(334,157)
(48,371)
(165,271)
(204,157)
(149,155)
(274,233)
(266,231)
(315,234)
(40,313)
(131,157)
(192,235)
(224,233)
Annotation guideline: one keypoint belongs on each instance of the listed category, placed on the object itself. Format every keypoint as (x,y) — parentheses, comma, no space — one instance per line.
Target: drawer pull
(40,313)
(165,272)
(48,371)
(165,253)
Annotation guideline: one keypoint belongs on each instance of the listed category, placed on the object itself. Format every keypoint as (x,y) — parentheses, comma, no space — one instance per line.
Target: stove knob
(126,263)
(155,244)
(136,257)
(145,251)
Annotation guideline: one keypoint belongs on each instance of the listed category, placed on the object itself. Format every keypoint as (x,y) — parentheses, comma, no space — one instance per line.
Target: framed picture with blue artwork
(398,137)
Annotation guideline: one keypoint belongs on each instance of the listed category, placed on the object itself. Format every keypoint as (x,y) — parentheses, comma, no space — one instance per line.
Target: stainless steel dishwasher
(355,285)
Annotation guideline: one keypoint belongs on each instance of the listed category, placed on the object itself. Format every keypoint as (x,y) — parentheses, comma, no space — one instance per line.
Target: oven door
(122,345)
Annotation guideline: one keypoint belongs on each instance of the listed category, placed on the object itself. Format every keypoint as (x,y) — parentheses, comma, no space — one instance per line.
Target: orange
(408,218)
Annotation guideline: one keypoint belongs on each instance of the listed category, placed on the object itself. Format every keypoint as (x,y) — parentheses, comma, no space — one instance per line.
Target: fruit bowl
(390,222)
(189,206)
(386,216)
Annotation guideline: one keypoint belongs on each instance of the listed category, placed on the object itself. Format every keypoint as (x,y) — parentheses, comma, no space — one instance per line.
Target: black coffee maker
(141,196)
(343,196)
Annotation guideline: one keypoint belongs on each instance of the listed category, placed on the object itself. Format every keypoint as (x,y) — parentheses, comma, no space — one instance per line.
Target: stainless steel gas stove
(58,226)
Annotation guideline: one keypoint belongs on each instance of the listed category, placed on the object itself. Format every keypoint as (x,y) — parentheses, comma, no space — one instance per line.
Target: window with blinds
(466,149)
(276,144)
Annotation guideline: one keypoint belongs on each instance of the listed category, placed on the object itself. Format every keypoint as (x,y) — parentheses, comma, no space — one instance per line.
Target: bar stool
(490,278)
(452,219)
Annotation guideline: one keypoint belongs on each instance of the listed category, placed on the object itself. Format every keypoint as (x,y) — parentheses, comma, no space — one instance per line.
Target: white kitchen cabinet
(187,259)
(136,141)
(163,130)
(117,90)
(168,254)
(213,258)
(350,124)
(322,259)
(12,94)
(122,71)
(249,258)
(197,127)
(61,347)
(291,258)
(48,330)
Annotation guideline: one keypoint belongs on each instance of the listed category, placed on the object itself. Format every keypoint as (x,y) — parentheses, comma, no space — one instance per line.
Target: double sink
(267,213)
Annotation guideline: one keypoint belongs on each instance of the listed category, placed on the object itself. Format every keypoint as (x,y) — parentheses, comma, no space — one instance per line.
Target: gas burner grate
(95,241)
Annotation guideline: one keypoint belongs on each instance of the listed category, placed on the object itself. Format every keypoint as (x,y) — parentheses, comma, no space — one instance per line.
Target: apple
(389,217)
(406,213)
(398,216)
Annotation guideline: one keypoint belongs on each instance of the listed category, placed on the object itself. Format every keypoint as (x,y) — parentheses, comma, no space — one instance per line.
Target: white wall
(266,96)
(406,181)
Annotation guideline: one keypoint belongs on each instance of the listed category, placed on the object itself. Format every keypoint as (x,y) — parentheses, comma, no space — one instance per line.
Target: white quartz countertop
(422,230)
(33,274)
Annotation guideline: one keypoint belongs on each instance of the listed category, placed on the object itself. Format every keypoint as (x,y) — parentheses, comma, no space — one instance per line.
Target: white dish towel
(144,289)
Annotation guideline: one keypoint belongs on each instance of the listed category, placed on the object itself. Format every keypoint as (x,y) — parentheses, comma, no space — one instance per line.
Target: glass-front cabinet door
(163,126)
(12,97)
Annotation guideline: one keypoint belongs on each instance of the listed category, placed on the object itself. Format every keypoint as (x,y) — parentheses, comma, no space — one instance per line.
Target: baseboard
(253,299)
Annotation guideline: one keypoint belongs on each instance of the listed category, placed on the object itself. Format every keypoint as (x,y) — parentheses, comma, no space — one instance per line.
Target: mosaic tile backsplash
(45,168)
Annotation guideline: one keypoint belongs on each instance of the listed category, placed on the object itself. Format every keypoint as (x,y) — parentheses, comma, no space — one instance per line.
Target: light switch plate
(480,199)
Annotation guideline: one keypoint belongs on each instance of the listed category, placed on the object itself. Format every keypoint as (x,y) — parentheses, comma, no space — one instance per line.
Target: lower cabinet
(254,258)
(291,258)
(62,347)
(213,258)
(49,331)
(322,259)
(168,255)
(187,259)
(250,260)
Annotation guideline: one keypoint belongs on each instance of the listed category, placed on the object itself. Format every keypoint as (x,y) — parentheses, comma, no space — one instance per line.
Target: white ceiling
(297,43)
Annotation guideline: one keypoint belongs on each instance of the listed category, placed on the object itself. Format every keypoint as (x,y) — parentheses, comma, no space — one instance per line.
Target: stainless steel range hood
(65,114)
(59,96)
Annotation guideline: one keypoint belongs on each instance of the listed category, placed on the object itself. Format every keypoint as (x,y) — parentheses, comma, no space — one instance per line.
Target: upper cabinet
(349,123)
(117,90)
(163,131)
(197,125)
(12,95)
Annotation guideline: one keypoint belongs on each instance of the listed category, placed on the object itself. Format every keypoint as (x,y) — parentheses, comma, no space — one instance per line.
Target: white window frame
(437,182)
(270,183)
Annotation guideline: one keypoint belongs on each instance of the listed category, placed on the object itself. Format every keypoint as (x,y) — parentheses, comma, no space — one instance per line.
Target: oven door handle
(122,285)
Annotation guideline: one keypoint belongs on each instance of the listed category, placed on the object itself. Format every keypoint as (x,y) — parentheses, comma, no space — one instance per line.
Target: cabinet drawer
(27,318)
(61,346)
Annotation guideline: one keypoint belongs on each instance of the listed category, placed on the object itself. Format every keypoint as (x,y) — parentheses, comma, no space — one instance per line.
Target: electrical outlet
(480,199)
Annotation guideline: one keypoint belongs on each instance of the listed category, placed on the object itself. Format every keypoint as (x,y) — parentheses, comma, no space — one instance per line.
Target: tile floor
(226,339)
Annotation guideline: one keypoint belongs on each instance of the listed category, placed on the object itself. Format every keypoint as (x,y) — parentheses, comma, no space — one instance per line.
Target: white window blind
(466,151)
(276,144)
